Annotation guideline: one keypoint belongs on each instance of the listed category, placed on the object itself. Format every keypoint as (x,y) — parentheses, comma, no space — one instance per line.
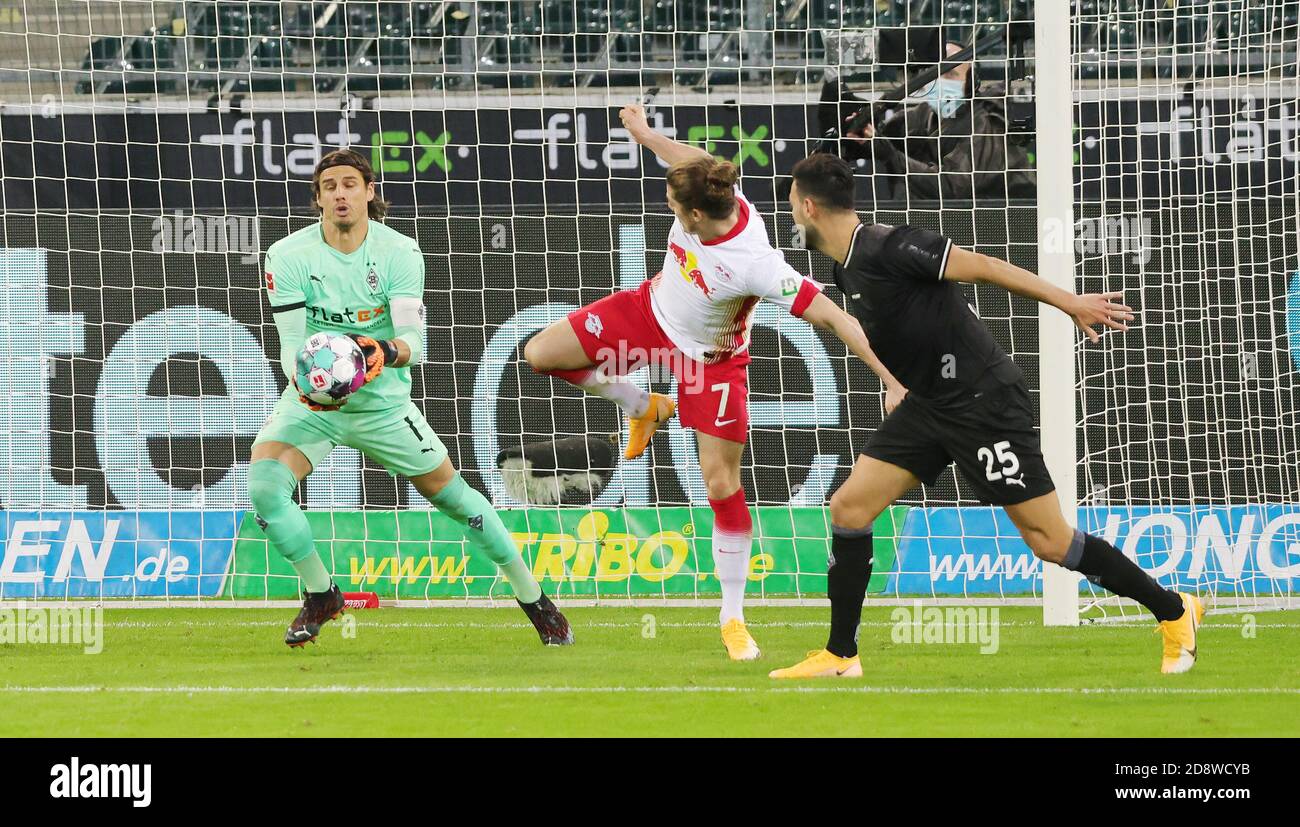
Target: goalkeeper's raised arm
(668,150)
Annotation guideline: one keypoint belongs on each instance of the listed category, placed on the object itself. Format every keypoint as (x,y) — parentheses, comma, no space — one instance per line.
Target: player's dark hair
(378,207)
(826,179)
(705,184)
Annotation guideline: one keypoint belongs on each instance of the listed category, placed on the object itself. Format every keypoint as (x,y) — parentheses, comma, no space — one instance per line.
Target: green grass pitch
(650,671)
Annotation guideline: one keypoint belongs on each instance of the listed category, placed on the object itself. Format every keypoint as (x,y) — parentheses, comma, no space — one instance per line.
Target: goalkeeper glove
(316,406)
(379,353)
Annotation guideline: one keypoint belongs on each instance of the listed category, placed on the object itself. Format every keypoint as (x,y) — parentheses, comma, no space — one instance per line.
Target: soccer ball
(330,368)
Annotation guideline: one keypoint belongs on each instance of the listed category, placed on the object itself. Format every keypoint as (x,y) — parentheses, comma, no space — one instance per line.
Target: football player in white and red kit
(695,316)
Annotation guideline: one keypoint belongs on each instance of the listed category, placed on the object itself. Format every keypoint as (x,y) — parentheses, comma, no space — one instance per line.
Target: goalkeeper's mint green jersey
(348,294)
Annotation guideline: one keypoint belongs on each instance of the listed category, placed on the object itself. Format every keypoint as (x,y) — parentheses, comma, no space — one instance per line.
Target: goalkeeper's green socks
(270,488)
(315,579)
(486,532)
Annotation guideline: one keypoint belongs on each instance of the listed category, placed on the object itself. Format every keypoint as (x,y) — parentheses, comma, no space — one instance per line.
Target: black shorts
(992,440)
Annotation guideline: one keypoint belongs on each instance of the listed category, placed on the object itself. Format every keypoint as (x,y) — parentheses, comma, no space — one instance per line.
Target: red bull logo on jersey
(688,266)
(697,278)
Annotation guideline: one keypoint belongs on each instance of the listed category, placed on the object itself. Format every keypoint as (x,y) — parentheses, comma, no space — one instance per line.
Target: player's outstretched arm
(1087,310)
(668,150)
(827,315)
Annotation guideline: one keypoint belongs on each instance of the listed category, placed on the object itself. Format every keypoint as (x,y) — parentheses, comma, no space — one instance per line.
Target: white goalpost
(1053,104)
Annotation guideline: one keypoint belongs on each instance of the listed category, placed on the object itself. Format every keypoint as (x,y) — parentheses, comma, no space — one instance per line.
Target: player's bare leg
(1051,538)
(556,347)
(871,488)
(557,351)
(274,471)
(451,495)
(733,538)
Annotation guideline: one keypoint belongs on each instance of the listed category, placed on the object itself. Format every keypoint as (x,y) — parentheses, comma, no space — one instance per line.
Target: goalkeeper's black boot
(552,627)
(317,609)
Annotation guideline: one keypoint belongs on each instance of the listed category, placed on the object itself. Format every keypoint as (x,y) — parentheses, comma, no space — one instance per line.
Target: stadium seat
(386,52)
(153,51)
(362,19)
(223,19)
(400,19)
(272,53)
(626,26)
(625,15)
(265,19)
(507,32)
(991,11)
(104,53)
(224,52)
(557,17)
(336,52)
(203,23)
(1285,22)
(790,14)
(558,23)
(958,12)
(263,36)
(858,15)
(660,18)
(593,21)
(300,21)
(1191,30)
(726,15)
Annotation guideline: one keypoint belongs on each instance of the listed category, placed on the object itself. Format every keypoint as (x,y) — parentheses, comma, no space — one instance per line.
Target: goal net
(152,151)
(1186,188)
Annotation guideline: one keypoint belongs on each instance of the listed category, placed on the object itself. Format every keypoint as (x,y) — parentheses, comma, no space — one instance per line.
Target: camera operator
(955,145)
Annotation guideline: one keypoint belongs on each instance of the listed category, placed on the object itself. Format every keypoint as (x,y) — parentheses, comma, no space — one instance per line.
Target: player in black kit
(966,404)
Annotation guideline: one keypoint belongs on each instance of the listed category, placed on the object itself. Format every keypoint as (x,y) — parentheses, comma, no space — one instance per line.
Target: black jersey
(919,324)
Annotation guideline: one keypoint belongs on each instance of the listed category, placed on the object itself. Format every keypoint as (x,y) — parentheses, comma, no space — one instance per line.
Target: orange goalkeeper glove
(379,353)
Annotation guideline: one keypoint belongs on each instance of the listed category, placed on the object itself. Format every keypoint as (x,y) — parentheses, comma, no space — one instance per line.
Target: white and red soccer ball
(330,368)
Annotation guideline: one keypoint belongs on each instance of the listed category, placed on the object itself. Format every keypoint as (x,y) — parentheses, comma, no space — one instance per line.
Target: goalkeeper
(348,274)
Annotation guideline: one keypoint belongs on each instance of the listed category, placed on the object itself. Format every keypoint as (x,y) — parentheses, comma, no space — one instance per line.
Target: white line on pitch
(799,624)
(603,690)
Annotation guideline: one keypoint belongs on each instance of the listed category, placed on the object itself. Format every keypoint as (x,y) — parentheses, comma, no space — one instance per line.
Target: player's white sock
(632,399)
(733,537)
(732,567)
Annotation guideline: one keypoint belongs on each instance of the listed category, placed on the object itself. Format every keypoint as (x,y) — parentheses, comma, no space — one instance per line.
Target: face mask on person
(945,96)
